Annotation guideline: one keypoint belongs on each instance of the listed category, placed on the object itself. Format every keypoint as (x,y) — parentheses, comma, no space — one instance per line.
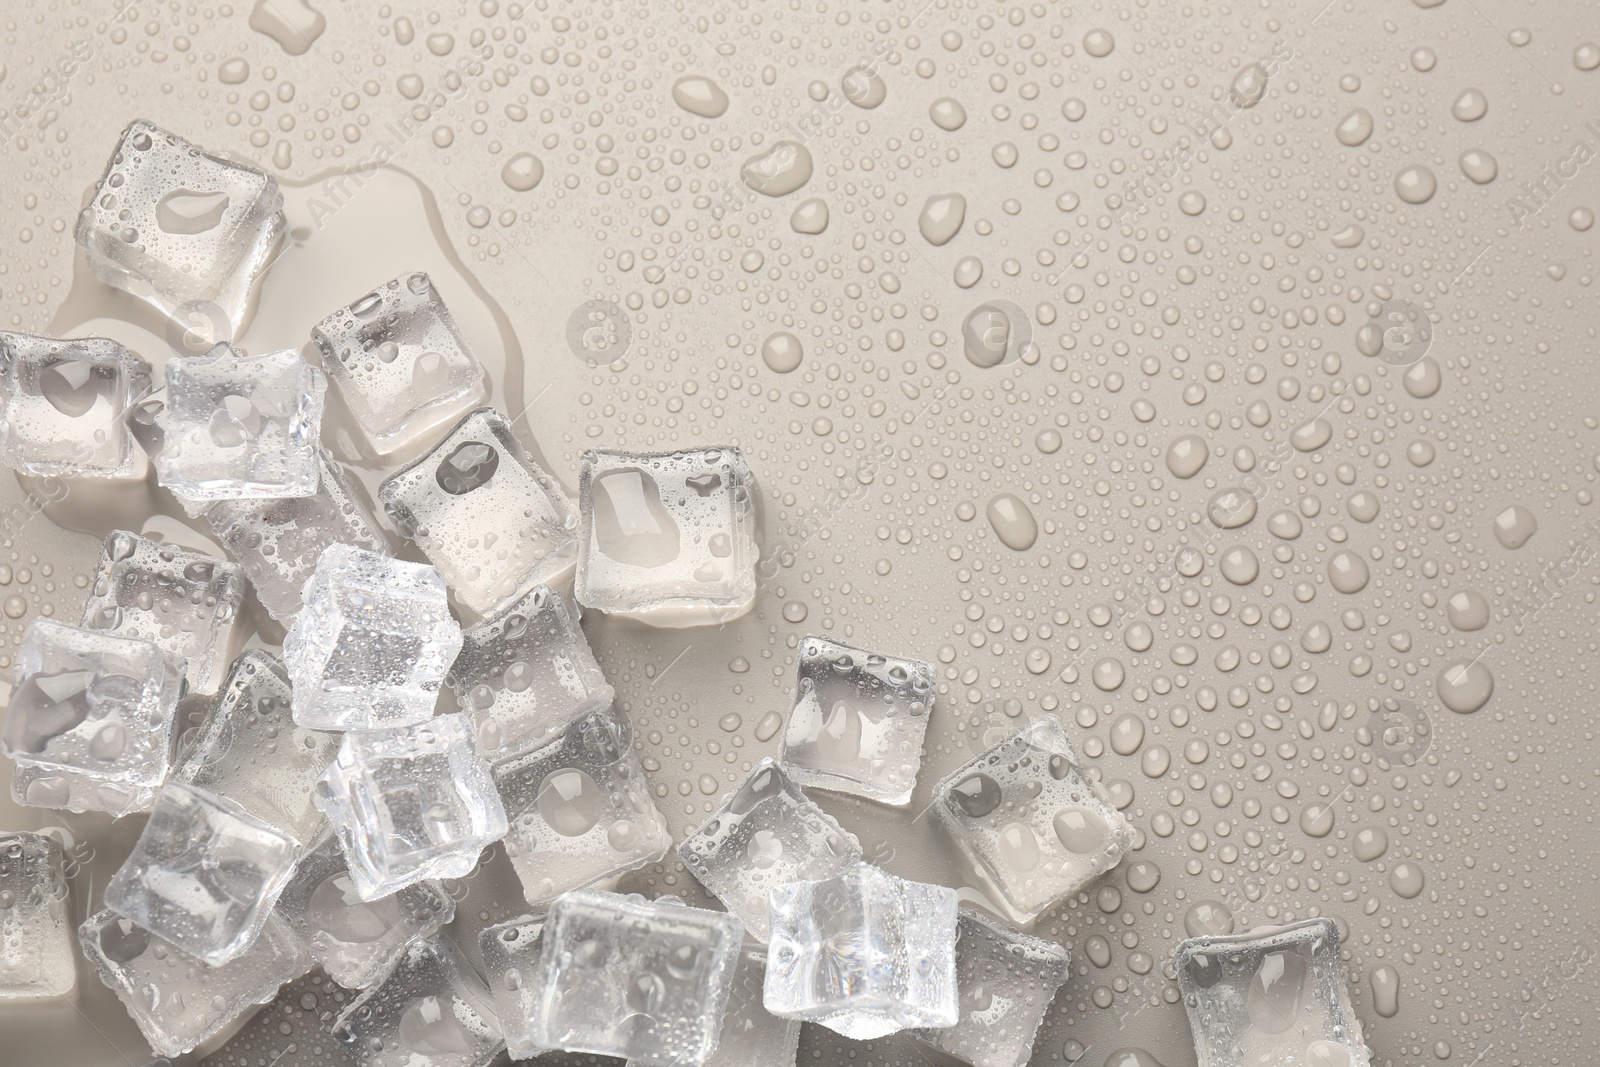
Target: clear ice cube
(579,809)
(526,673)
(1006,980)
(36,958)
(371,644)
(431,1011)
(62,404)
(483,512)
(858,721)
(250,750)
(91,719)
(1032,826)
(863,953)
(204,875)
(186,602)
(667,538)
(187,232)
(398,361)
(177,1000)
(750,1035)
(639,979)
(232,426)
(765,833)
(411,803)
(357,941)
(511,960)
(1276,995)
(278,541)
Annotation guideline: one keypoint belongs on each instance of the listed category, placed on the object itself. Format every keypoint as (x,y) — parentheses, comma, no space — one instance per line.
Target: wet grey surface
(1198,426)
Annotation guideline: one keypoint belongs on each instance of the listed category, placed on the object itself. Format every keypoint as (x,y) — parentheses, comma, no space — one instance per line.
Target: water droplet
(1415,184)
(1013,523)
(782,352)
(570,802)
(186,212)
(780,170)
(942,216)
(700,96)
(522,172)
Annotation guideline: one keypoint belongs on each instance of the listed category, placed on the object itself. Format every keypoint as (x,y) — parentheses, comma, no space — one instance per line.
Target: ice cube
(278,541)
(765,833)
(750,1036)
(356,941)
(35,939)
(526,673)
(1034,828)
(204,874)
(62,404)
(431,1011)
(185,231)
(399,362)
(371,644)
(667,538)
(1275,995)
(187,603)
(250,750)
(91,720)
(483,512)
(1006,980)
(858,721)
(625,976)
(511,960)
(232,426)
(863,953)
(411,803)
(177,1000)
(579,809)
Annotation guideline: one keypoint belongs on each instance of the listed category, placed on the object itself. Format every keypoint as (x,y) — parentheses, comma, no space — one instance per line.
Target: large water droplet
(1080,830)
(569,801)
(184,211)
(1013,523)
(631,525)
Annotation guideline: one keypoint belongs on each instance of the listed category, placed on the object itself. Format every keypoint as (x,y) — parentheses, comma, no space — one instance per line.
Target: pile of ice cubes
(324,805)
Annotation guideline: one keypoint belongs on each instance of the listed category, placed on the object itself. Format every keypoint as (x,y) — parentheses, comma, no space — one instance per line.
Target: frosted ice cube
(232,426)
(524,674)
(625,976)
(36,957)
(91,719)
(863,953)
(858,721)
(1033,827)
(204,875)
(371,644)
(411,803)
(511,960)
(431,1011)
(765,833)
(1275,995)
(580,809)
(667,538)
(356,941)
(250,750)
(750,1036)
(187,232)
(1006,981)
(62,404)
(186,602)
(278,541)
(177,1000)
(399,362)
(483,512)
